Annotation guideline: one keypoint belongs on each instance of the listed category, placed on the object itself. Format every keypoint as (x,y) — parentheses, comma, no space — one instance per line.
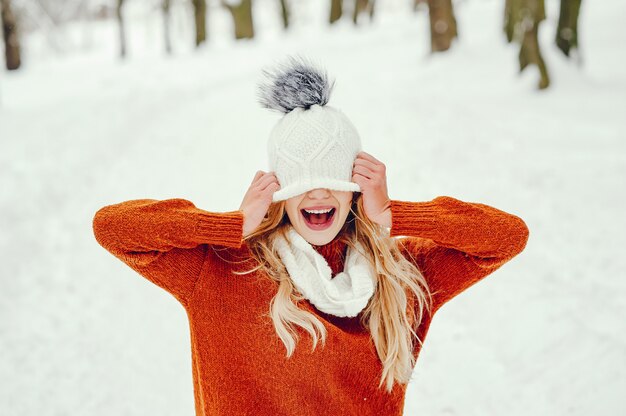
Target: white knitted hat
(313,145)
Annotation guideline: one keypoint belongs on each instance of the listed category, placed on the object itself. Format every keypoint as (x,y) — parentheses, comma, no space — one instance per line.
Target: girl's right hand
(257,200)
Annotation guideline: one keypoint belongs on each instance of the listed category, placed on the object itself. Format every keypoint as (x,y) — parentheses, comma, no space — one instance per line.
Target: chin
(318,240)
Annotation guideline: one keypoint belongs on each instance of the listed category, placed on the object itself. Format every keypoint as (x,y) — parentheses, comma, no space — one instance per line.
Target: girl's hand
(257,200)
(369,174)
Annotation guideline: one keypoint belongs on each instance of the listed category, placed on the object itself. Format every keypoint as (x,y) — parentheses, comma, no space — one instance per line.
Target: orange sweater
(239,364)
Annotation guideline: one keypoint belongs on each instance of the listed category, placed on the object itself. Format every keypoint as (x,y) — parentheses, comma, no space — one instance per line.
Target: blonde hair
(389,314)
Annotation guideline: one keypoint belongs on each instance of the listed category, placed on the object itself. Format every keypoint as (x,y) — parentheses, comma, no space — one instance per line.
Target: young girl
(312,255)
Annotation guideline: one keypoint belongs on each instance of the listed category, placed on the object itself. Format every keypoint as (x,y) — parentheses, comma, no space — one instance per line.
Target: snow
(81,333)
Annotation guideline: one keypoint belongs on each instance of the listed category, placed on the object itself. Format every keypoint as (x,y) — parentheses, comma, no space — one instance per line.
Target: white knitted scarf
(344,295)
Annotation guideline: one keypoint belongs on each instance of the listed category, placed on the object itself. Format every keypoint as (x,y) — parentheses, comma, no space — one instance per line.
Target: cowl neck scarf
(344,295)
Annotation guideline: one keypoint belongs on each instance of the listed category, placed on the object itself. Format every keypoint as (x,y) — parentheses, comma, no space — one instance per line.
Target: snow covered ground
(82,334)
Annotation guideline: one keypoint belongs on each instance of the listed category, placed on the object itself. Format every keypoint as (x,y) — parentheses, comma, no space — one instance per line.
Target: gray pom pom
(296,83)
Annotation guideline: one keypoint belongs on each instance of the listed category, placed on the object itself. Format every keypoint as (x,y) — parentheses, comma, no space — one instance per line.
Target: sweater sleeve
(455,243)
(165,241)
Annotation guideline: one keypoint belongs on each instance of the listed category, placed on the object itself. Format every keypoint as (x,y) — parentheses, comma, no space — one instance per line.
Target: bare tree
(122,30)
(284,12)
(9,34)
(442,25)
(362,6)
(199,11)
(336,10)
(567,30)
(521,25)
(242,18)
(417,3)
(165,7)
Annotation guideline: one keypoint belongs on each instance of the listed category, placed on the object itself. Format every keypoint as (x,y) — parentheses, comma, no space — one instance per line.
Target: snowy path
(544,335)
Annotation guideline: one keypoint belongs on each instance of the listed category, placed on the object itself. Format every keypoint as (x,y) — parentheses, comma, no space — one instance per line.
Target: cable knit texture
(345,294)
(239,365)
(313,148)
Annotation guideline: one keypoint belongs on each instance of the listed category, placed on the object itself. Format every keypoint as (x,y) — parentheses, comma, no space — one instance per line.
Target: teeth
(318,211)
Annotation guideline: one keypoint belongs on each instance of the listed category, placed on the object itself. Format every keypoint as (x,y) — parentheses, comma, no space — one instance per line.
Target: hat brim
(298,188)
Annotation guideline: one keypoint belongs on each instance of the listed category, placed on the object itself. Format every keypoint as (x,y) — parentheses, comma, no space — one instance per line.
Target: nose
(318,193)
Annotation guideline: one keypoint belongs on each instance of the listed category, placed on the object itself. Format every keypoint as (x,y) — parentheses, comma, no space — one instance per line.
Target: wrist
(386,218)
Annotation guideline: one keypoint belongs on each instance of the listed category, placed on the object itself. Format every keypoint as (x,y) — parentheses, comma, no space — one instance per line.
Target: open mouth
(318,219)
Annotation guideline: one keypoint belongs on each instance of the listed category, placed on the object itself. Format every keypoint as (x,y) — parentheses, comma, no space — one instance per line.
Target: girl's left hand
(370,174)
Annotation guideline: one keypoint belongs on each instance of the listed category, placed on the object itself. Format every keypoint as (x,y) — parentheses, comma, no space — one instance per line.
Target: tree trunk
(567,30)
(122,31)
(521,24)
(361,6)
(442,25)
(199,11)
(336,10)
(242,18)
(509,19)
(284,12)
(9,34)
(165,6)
(417,3)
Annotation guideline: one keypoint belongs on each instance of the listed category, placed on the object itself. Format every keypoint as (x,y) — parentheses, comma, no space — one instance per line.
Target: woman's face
(330,210)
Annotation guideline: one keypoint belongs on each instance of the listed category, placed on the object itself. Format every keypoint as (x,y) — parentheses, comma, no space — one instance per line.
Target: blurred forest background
(521,20)
(517,104)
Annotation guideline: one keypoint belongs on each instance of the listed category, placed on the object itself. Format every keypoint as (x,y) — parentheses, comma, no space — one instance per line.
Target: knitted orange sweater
(239,364)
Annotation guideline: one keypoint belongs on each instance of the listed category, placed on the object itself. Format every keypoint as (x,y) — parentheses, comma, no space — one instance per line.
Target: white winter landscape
(83,334)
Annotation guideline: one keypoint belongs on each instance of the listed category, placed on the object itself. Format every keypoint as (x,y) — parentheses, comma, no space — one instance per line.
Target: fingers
(358,178)
(272,187)
(363,171)
(367,156)
(267,180)
(258,174)
(367,165)
(368,177)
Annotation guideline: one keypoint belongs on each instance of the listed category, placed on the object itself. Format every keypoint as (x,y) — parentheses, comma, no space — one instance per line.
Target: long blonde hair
(389,314)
